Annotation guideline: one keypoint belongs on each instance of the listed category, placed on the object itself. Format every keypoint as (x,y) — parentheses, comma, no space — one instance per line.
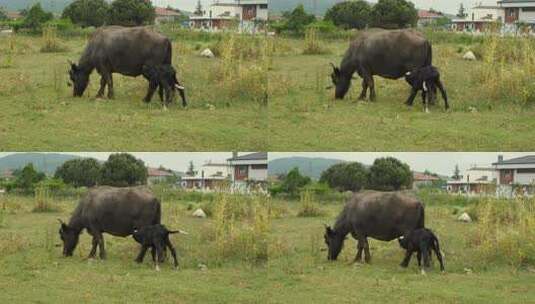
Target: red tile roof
(160,11)
(153,172)
(423,14)
(424,177)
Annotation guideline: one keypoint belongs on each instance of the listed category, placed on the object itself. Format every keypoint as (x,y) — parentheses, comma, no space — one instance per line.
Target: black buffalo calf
(421,241)
(427,80)
(155,237)
(163,77)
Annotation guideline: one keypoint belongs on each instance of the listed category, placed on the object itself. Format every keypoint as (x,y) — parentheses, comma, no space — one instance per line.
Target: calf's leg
(407,259)
(172,249)
(141,255)
(152,88)
(410,100)
(444,94)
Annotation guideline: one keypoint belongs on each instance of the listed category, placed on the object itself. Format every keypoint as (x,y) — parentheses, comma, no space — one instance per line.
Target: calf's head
(403,242)
(341,82)
(335,243)
(79,80)
(69,236)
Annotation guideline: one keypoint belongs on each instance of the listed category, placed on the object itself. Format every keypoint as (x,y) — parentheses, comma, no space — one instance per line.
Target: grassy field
(38,111)
(303,115)
(33,271)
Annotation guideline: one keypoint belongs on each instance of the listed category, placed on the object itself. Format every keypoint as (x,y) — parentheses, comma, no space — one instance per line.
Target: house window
(242,170)
(526,171)
(263,6)
(528,9)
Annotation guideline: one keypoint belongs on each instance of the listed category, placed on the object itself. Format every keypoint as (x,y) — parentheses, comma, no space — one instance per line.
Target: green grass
(303,115)
(38,111)
(32,269)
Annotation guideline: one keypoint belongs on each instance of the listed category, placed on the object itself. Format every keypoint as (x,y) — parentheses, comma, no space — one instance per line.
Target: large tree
(35,17)
(80,172)
(123,169)
(293,182)
(132,12)
(350,14)
(394,14)
(87,12)
(298,19)
(27,178)
(346,176)
(389,174)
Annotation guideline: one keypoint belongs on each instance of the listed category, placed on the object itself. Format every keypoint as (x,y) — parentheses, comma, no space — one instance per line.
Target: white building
(249,172)
(476,180)
(211,176)
(479,18)
(516,177)
(247,15)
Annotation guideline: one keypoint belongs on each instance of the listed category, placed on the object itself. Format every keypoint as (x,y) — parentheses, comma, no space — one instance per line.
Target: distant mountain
(312,167)
(317,7)
(44,162)
(55,6)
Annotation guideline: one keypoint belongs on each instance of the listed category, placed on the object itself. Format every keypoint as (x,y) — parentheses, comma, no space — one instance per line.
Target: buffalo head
(79,79)
(334,241)
(341,82)
(69,236)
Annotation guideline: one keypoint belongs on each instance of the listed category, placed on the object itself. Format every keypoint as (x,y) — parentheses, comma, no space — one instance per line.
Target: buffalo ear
(335,69)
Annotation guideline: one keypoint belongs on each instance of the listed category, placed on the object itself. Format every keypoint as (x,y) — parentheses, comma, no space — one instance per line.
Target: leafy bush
(87,12)
(346,176)
(387,174)
(350,14)
(131,12)
(123,169)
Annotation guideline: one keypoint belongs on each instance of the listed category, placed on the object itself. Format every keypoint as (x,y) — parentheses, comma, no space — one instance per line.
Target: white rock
(469,56)
(465,218)
(199,213)
(207,53)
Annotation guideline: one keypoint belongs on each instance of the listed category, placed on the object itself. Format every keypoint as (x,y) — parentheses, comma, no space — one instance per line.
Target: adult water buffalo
(380,215)
(116,211)
(389,54)
(117,49)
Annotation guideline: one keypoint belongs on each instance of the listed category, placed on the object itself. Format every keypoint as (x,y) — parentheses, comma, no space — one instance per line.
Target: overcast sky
(178,161)
(437,162)
(449,6)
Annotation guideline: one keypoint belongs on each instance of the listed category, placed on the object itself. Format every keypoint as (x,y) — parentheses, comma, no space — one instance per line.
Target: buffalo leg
(103,83)
(367,255)
(371,84)
(407,259)
(93,248)
(101,249)
(444,94)
(360,247)
(141,254)
(173,252)
(419,257)
(110,86)
(364,89)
